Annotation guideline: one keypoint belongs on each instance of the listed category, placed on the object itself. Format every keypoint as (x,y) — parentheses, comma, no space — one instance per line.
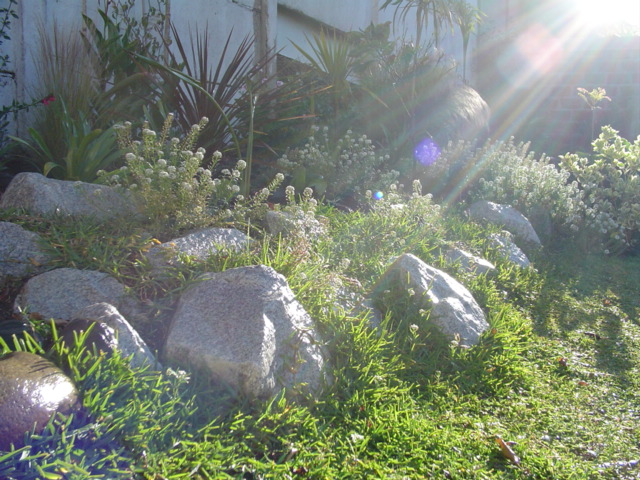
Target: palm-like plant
(331,56)
(206,89)
(467,17)
(234,94)
(439,10)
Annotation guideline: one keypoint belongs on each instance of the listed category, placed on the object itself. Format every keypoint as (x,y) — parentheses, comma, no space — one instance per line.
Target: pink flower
(48,99)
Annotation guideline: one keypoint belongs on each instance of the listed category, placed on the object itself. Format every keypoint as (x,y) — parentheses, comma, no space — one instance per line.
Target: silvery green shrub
(610,180)
(337,169)
(508,173)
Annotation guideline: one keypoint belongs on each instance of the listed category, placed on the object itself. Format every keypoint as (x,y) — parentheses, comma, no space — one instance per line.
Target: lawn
(555,379)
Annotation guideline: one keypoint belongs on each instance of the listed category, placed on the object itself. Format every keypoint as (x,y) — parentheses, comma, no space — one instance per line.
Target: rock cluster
(243,327)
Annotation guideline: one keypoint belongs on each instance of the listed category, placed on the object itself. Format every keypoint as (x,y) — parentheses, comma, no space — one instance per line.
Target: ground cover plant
(555,377)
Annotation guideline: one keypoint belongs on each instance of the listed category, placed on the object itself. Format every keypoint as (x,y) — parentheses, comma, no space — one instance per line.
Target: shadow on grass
(593,301)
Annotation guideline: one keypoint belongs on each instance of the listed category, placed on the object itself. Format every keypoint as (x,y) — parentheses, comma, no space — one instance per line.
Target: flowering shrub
(611,185)
(394,208)
(339,170)
(296,220)
(510,174)
(302,214)
(176,191)
(443,172)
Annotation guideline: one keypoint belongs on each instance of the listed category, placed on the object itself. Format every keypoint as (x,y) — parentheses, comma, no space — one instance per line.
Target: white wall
(344,15)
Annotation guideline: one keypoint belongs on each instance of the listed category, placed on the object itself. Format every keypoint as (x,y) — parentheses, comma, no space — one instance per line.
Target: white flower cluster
(170,176)
(301,214)
(340,168)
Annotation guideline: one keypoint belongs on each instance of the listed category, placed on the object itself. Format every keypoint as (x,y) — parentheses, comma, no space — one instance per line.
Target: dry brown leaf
(507,452)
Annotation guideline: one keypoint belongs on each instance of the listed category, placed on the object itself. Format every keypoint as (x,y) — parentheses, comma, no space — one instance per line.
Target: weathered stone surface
(16,329)
(509,217)
(20,252)
(45,196)
(246,328)
(59,293)
(469,262)
(503,242)
(200,244)
(32,389)
(453,309)
(127,339)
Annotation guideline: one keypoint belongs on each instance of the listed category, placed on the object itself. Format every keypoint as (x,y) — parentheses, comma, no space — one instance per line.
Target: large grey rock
(60,293)
(452,307)
(507,216)
(468,262)
(245,327)
(200,245)
(127,339)
(504,244)
(40,195)
(32,389)
(21,254)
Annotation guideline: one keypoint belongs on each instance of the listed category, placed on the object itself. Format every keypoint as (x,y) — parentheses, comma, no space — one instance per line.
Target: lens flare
(378,195)
(427,152)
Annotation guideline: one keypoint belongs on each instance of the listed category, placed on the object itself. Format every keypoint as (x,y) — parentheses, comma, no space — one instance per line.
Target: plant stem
(249,159)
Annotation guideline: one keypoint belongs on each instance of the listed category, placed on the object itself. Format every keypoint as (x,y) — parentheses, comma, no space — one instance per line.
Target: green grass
(557,373)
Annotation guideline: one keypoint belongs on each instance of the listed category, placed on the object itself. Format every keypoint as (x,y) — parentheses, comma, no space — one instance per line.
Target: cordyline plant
(439,10)
(237,97)
(206,90)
